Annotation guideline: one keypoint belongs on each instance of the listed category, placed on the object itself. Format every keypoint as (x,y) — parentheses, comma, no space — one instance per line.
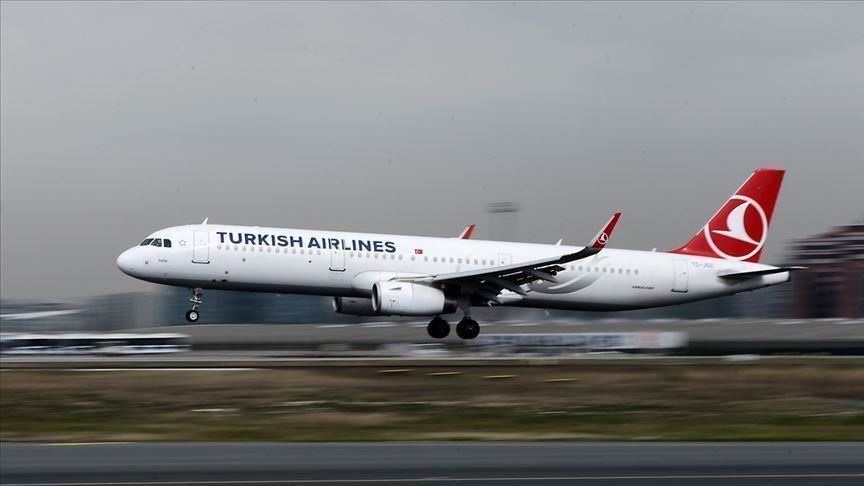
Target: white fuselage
(333,263)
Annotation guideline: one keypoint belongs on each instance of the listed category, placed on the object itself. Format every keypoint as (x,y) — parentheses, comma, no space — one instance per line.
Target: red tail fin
(739,230)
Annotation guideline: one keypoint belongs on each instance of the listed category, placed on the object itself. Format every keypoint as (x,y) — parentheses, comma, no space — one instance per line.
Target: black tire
(438,328)
(192,316)
(468,328)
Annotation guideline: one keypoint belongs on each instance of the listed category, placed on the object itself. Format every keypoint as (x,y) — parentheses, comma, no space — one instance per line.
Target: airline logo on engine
(322,243)
(739,229)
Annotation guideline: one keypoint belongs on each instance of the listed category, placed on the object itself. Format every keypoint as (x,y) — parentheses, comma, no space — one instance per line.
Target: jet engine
(407,299)
(355,306)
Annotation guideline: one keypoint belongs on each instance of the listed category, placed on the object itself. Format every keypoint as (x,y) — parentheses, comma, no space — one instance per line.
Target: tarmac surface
(249,336)
(446,463)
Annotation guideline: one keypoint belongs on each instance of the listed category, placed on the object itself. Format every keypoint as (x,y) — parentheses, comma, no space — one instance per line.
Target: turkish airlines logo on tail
(739,230)
(603,238)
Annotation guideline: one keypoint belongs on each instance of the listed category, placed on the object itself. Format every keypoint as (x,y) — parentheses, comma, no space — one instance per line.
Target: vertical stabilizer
(739,230)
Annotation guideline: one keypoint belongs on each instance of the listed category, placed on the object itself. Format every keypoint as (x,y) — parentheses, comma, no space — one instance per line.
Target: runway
(445,463)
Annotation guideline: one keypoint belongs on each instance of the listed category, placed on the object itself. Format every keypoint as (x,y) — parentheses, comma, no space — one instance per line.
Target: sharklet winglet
(466,233)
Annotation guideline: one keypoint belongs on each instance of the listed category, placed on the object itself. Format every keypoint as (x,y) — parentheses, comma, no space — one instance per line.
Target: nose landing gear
(197,298)
(438,328)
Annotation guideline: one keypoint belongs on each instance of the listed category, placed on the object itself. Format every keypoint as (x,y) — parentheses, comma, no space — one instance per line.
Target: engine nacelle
(407,299)
(355,306)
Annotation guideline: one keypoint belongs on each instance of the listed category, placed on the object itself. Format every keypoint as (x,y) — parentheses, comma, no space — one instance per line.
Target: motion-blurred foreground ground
(635,399)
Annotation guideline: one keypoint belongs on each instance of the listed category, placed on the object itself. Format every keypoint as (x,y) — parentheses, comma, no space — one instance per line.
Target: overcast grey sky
(121,118)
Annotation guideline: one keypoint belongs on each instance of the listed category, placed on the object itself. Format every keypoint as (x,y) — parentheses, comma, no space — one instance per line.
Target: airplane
(395,275)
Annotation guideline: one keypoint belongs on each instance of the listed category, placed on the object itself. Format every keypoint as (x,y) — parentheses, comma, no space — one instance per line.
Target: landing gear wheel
(468,328)
(438,328)
(197,298)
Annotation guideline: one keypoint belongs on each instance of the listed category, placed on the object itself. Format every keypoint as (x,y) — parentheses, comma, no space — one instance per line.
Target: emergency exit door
(337,260)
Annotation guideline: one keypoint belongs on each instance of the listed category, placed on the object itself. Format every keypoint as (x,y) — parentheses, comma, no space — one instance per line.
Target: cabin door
(201,247)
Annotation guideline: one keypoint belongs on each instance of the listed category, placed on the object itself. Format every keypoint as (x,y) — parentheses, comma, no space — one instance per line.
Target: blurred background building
(833,284)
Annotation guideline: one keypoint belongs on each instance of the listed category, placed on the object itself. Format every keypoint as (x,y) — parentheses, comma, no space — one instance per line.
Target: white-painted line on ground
(100,370)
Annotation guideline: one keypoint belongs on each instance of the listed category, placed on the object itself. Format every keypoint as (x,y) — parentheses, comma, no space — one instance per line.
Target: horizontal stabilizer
(758,273)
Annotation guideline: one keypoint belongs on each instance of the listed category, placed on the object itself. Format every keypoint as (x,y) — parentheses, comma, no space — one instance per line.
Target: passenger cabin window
(146,242)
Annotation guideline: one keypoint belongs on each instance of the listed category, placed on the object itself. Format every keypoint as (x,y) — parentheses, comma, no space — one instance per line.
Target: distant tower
(503,220)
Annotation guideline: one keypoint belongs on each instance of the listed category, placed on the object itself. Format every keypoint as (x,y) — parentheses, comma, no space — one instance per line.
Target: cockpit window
(166,243)
(157,242)
(146,242)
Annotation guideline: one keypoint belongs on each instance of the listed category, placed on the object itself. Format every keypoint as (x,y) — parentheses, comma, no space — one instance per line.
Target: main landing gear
(197,297)
(438,328)
(467,328)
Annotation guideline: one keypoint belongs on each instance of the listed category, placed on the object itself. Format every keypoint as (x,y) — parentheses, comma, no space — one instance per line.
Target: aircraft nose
(125,262)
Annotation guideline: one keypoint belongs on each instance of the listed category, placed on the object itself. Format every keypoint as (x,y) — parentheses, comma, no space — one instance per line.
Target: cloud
(120,118)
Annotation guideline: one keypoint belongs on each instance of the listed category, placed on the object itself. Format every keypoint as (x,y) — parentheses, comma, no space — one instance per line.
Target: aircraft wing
(487,283)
